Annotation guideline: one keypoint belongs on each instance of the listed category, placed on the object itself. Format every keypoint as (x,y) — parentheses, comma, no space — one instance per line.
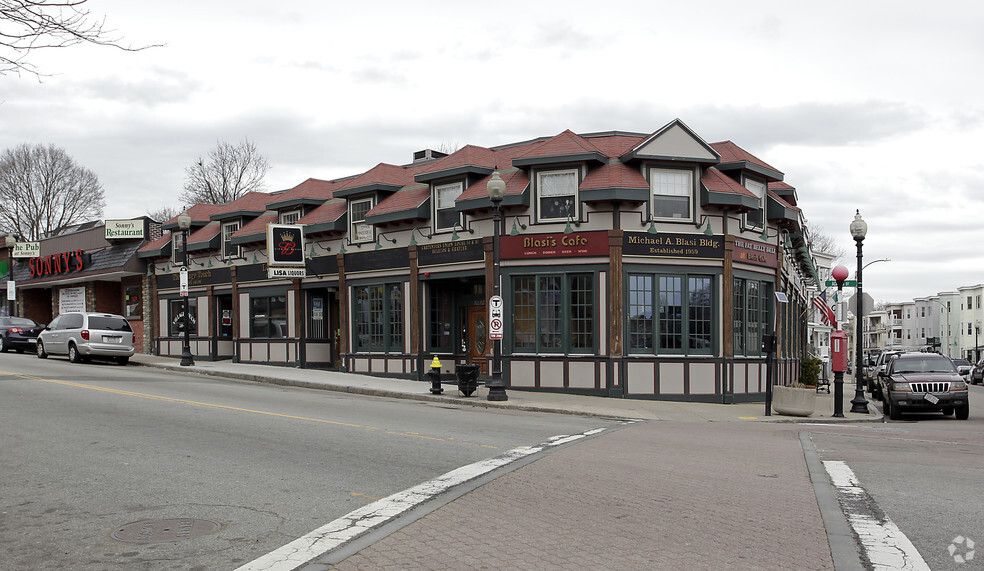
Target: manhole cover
(165,530)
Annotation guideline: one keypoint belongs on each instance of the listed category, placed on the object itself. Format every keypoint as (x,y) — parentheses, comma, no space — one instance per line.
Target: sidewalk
(518,400)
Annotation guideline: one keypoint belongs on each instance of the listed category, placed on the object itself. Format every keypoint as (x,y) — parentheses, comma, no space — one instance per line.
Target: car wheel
(963,412)
(73,354)
(948,411)
(42,354)
(3,346)
(122,360)
(893,411)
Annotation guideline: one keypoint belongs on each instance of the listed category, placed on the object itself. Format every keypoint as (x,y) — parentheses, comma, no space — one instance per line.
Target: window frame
(654,321)
(230,250)
(655,170)
(759,302)
(272,315)
(289,216)
(574,212)
(383,331)
(438,226)
(177,239)
(750,222)
(573,314)
(175,308)
(355,224)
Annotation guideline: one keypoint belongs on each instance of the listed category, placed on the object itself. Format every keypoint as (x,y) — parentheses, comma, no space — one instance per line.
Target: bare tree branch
(230,172)
(30,25)
(43,189)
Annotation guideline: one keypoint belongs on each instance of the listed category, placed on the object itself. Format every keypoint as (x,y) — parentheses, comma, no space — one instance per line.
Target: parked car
(923,382)
(82,336)
(977,373)
(18,333)
(963,368)
(884,358)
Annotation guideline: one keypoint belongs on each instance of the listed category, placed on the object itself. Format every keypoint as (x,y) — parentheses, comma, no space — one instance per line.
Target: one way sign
(496,310)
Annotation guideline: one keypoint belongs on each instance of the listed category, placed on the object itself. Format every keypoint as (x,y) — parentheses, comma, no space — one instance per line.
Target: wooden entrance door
(478,337)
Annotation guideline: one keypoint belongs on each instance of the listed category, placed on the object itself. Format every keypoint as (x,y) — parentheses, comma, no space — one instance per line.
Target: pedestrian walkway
(518,400)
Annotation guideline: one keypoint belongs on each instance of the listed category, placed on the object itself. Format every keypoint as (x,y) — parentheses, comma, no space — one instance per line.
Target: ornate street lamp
(859,404)
(11,242)
(184,223)
(497,190)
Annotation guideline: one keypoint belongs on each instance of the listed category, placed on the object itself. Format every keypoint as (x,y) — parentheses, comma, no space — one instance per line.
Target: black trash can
(467,378)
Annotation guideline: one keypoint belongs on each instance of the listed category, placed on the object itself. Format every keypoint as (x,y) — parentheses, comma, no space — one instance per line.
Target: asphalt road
(89,449)
(924,473)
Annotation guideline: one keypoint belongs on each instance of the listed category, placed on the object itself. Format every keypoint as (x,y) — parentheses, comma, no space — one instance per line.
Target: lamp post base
(186,359)
(497,389)
(859,404)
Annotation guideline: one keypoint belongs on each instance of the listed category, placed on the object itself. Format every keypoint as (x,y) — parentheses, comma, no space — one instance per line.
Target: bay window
(554,313)
(377,317)
(670,313)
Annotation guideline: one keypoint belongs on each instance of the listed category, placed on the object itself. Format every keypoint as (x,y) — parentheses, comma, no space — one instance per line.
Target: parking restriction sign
(496,308)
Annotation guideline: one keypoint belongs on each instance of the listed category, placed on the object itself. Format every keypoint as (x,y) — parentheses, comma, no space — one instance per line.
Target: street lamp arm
(875,262)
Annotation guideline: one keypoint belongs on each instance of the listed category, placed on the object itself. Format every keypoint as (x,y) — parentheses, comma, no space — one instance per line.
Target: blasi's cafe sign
(55,264)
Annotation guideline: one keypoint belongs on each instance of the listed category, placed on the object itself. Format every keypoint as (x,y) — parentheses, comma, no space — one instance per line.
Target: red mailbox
(838,351)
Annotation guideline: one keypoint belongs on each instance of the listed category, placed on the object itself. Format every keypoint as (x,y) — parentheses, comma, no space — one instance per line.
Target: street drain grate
(165,530)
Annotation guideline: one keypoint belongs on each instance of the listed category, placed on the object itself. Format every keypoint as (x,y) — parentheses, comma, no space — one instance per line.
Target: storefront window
(684,309)
(131,302)
(268,317)
(751,315)
(554,313)
(378,317)
(440,319)
(176,319)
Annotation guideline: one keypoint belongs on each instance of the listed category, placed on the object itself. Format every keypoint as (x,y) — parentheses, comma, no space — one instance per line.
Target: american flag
(826,314)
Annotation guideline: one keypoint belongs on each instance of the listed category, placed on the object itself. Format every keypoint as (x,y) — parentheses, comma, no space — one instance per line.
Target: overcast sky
(873,105)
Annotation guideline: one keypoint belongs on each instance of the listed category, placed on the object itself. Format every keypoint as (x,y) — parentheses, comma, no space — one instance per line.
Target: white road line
(354,524)
(884,543)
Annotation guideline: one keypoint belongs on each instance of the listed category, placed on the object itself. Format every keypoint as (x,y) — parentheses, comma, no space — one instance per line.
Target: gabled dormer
(293,204)
(447,179)
(233,216)
(364,192)
(672,161)
(752,173)
(556,169)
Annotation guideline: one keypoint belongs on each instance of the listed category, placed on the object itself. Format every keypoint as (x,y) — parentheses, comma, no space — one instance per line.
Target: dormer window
(229,250)
(359,231)
(672,193)
(557,195)
(290,216)
(755,218)
(446,217)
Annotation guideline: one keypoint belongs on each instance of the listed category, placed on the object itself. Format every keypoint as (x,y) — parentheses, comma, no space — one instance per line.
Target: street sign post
(183,282)
(496,311)
(847,283)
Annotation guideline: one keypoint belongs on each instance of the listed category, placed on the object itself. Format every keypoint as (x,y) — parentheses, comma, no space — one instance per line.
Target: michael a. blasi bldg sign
(673,245)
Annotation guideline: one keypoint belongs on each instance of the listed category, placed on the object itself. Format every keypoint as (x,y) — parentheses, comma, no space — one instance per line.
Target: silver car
(82,336)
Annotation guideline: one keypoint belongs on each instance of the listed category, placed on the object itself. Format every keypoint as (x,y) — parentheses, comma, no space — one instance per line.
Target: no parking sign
(496,310)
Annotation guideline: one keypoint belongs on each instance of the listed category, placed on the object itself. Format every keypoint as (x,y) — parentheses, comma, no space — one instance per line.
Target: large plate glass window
(176,317)
(752,314)
(755,218)
(378,317)
(670,313)
(359,230)
(554,313)
(268,317)
(230,250)
(445,215)
(672,193)
(557,194)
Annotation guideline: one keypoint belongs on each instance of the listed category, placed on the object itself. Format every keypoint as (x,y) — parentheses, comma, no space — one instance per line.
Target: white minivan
(83,335)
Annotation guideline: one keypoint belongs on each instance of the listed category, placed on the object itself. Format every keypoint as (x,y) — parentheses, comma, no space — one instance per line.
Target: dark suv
(923,382)
(977,373)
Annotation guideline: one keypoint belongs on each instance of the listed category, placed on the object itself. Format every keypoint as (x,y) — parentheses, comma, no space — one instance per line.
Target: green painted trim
(453,172)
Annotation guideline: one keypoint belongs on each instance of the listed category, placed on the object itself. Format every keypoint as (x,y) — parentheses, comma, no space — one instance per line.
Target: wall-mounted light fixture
(454,234)
(383,237)
(515,230)
(707,229)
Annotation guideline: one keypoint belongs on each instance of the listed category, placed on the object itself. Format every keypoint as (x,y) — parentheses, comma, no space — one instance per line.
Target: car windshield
(109,323)
(903,366)
(961,362)
(21,322)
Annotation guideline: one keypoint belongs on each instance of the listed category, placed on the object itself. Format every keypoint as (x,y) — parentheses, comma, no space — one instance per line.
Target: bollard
(435,376)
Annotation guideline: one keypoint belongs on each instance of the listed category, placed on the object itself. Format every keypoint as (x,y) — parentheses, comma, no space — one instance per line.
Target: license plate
(107,339)
(32,340)
(931,398)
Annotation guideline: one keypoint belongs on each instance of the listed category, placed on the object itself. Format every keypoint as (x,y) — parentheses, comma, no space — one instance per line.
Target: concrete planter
(790,401)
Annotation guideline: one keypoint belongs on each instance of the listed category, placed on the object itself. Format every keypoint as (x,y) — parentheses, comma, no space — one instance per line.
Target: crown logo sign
(287,236)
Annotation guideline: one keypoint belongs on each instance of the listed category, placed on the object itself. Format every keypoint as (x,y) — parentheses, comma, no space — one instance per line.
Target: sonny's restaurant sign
(55,264)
